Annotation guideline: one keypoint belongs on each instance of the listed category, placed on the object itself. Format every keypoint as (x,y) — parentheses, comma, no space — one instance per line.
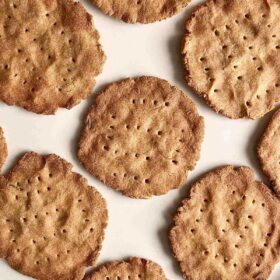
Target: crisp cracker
(3,148)
(133,269)
(142,11)
(141,137)
(52,223)
(49,54)
(269,151)
(232,56)
(228,228)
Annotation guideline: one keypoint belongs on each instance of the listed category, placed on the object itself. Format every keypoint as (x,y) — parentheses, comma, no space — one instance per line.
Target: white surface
(136,227)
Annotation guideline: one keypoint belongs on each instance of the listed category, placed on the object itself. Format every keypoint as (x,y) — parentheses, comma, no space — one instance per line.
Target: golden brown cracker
(49,54)
(142,11)
(141,137)
(228,227)
(231,54)
(52,223)
(269,151)
(133,269)
(3,148)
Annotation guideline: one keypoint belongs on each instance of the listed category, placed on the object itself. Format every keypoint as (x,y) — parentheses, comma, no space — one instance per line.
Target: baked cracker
(142,11)
(269,151)
(3,148)
(133,269)
(52,223)
(228,228)
(232,56)
(141,137)
(49,58)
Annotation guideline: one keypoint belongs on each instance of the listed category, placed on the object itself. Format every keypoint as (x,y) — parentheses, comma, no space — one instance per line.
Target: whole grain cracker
(49,54)
(269,151)
(232,56)
(141,137)
(228,228)
(133,269)
(52,223)
(142,11)
(3,148)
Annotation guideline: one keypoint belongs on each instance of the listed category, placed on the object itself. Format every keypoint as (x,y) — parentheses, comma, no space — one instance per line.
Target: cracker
(49,58)
(228,228)
(232,56)
(3,148)
(133,269)
(141,137)
(52,223)
(269,151)
(142,11)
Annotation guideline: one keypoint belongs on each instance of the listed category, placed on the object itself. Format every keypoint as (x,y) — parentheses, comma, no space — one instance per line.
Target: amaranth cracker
(49,54)
(232,56)
(133,269)
(141,137)
(52,223)
(228,228)
(142,11)
(269,151)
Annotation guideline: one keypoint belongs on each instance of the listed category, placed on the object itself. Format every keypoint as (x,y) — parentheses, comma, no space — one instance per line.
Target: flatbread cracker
(232,56)
(49,53)
(269,151)
(142,11)
(228,228)
(133,269)
(52,223)
(3,148)
(141,137)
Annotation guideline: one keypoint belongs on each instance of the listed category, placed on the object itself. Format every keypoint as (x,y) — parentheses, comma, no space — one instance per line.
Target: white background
(136,227)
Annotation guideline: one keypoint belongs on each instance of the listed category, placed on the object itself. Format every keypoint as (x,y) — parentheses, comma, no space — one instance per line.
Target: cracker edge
(262,142)
(5,148)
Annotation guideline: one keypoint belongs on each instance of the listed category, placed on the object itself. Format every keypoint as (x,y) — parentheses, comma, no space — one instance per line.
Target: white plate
(136,227)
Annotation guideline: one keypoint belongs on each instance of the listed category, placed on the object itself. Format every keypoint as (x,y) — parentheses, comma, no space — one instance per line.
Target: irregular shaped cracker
(52,223)
(133,269)
(228,228)
(142,11)
(141,137)
(269,151)
(231,54)
(3,148)
(49,58)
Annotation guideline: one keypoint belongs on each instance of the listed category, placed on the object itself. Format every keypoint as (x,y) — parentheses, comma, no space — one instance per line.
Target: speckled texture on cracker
(3,148)
(228,228)
(133,269)
(269,151)
(232,56)
(52,223)
(49,54)
(142,11)
(141,137)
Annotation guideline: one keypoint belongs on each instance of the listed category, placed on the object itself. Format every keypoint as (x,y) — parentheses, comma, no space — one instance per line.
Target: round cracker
(133,268)
(231,54)
(141,137)
(48,58)
(52,223)
(228,227)
(269,151)
(142,11)
(3,148)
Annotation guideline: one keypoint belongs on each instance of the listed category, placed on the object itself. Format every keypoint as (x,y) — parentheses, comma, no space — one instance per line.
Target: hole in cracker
(166,104)
(135,178)
(260,68)
(175,162)
(247,16)
(106,148)
(216,32)
(147,181)
(239,78)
